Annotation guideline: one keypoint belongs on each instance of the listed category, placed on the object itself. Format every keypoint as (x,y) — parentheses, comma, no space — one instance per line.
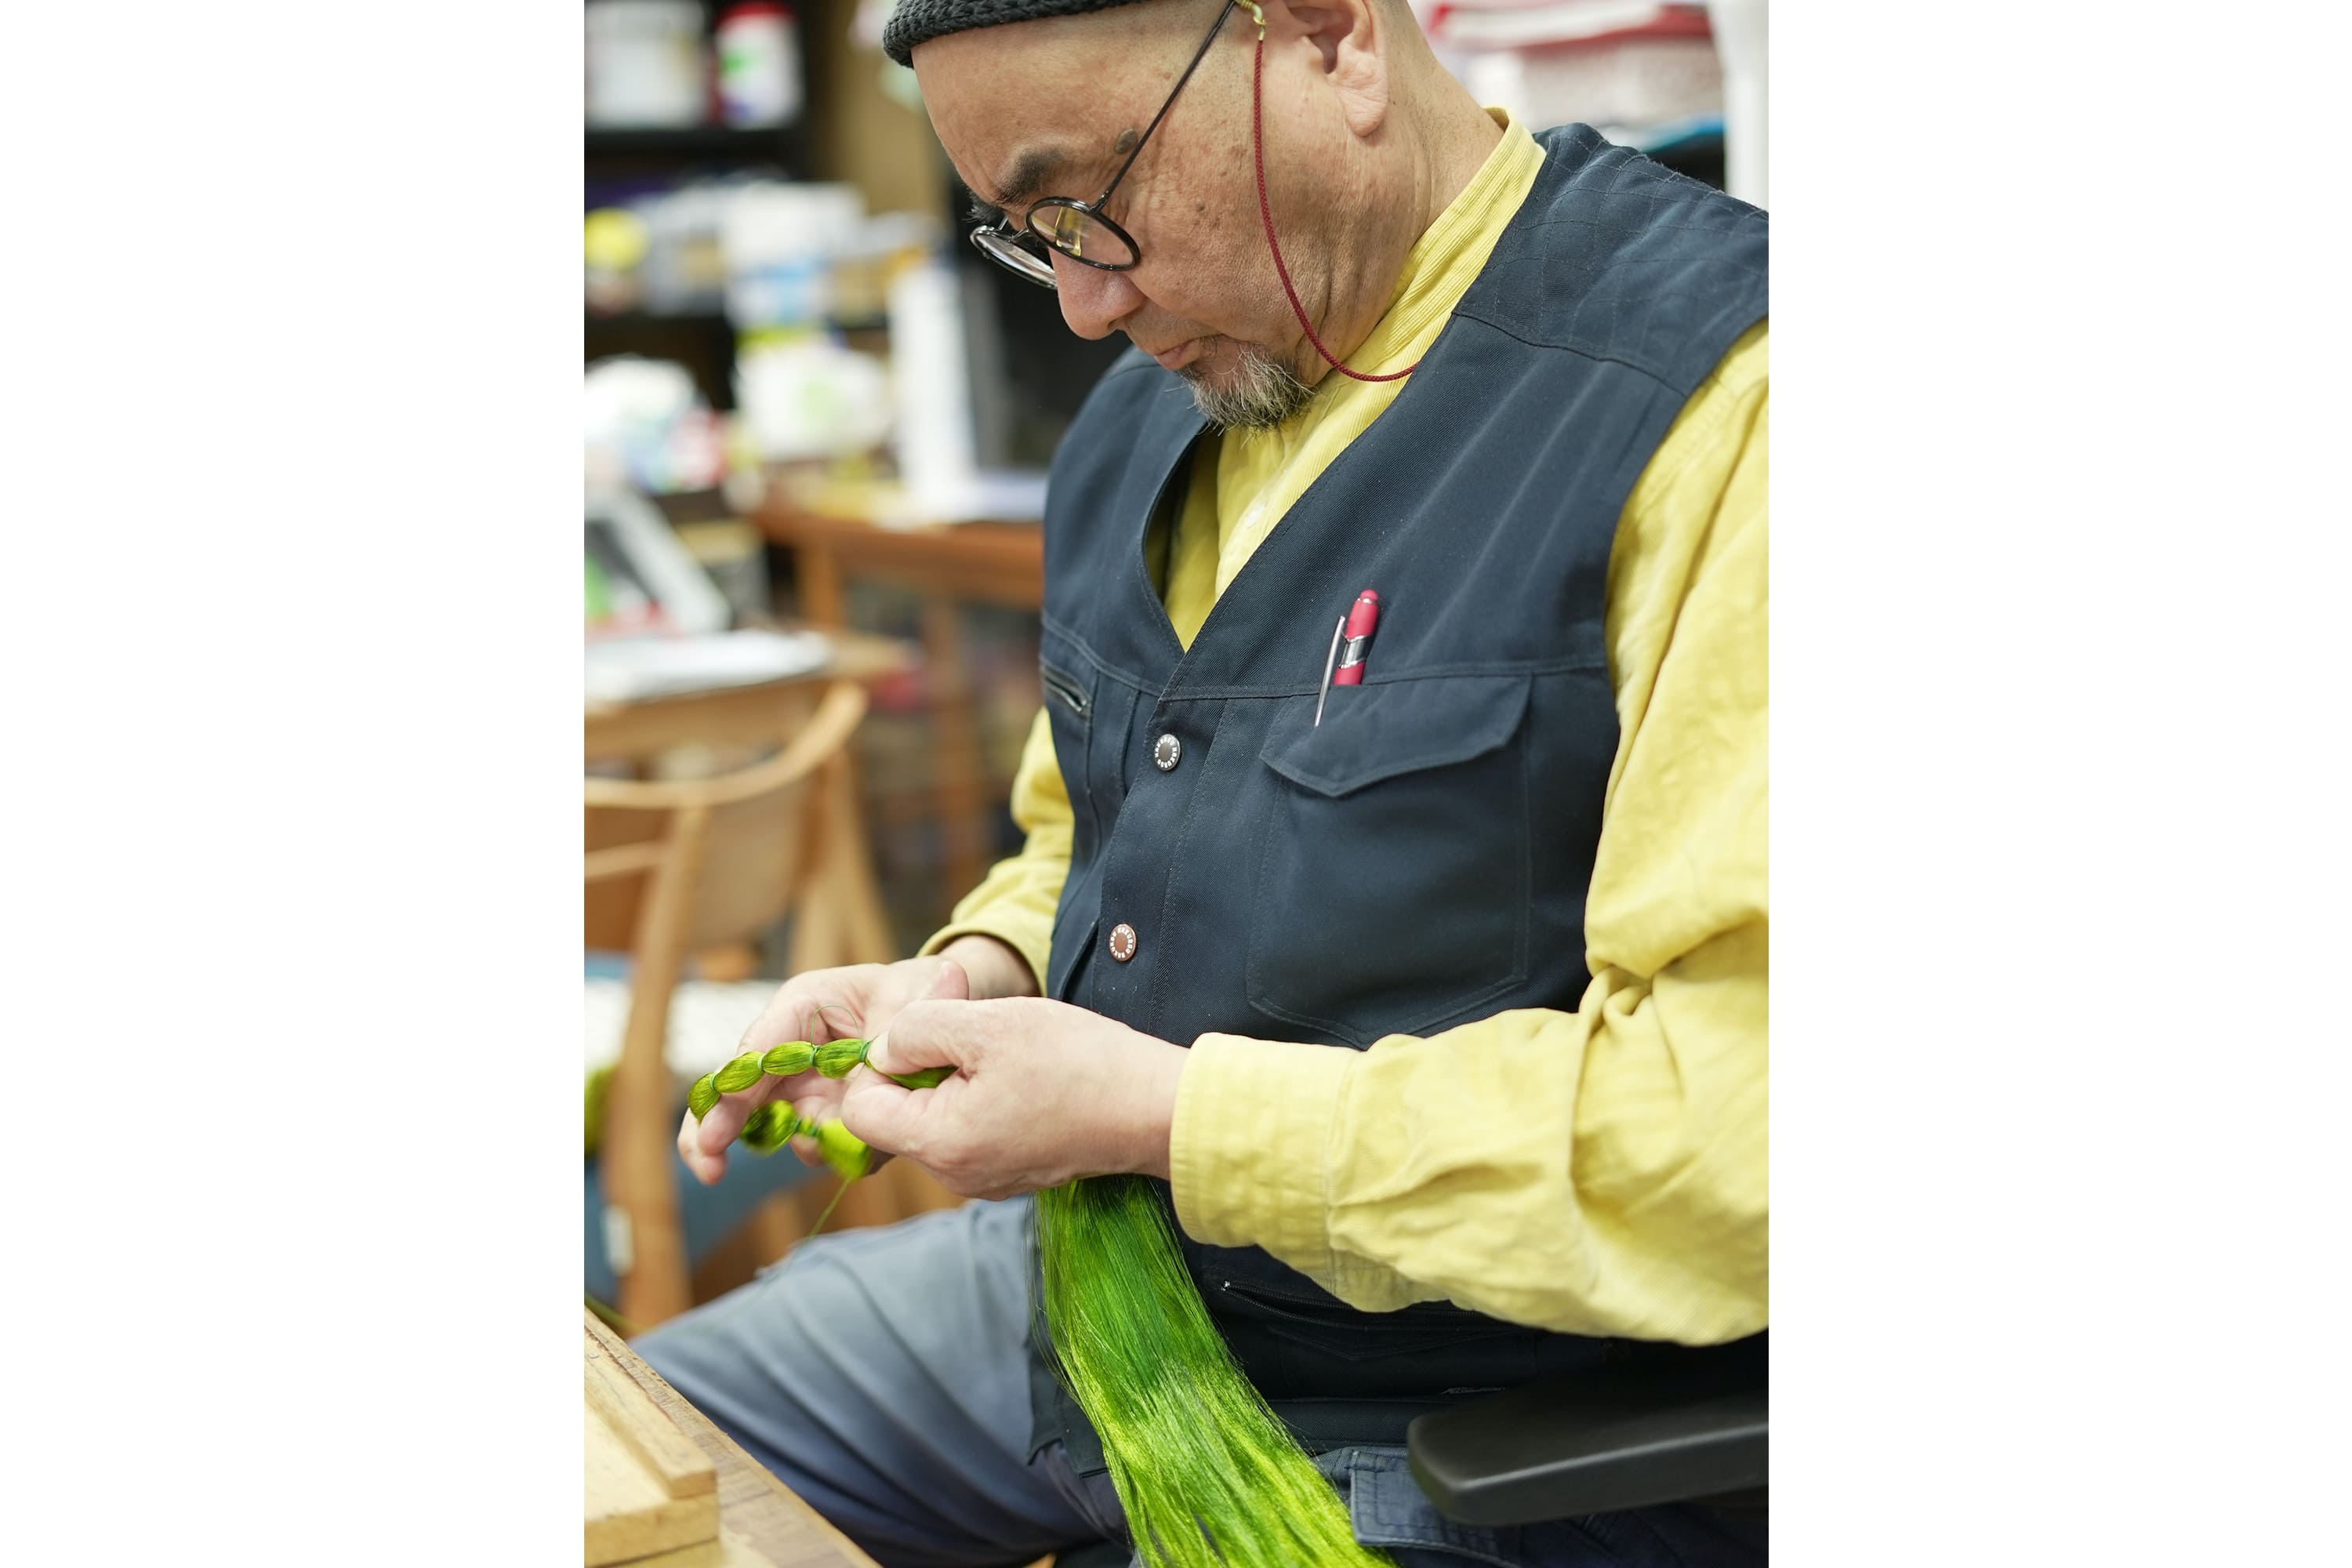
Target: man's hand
(859,1000)
(1044,1092)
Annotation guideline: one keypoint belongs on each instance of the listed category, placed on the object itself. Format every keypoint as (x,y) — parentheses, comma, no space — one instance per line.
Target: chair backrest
(673,867)
(747,832)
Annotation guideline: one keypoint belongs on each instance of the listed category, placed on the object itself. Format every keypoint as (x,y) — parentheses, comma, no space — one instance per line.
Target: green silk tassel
(1209,1478)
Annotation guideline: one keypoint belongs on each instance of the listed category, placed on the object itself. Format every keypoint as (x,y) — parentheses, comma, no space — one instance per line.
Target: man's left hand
(1044,1092)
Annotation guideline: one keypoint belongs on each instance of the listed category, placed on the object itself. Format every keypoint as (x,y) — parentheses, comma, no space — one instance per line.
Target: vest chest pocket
(1392,882)
(1070,712)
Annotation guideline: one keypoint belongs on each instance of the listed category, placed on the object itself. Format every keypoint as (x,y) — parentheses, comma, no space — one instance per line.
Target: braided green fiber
(1208,1476)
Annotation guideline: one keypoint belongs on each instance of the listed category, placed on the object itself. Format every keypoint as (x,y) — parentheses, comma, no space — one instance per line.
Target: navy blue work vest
(1420,859)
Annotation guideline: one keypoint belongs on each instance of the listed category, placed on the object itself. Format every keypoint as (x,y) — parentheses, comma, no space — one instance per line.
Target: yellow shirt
(1599,1172)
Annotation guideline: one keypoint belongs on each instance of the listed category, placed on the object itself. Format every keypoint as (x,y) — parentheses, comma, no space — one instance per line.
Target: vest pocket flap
(1374,733)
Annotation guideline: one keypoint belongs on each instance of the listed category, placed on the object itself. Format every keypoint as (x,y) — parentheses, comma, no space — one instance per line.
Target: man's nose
(1093,301)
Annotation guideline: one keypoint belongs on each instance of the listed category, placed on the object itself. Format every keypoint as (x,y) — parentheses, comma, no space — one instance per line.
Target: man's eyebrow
(1032,172)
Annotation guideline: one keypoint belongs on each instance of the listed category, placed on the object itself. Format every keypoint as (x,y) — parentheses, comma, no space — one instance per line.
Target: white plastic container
(646,64)
(809,397)
(759,66)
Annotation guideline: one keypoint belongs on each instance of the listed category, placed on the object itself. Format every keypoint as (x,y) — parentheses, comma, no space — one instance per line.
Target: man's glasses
(1078,229)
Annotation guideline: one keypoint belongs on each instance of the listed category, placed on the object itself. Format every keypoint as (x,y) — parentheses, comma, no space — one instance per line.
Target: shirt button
(1166,752)
(1122,942)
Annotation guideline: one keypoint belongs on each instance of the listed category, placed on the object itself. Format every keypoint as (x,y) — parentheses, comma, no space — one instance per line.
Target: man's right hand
(855,1002)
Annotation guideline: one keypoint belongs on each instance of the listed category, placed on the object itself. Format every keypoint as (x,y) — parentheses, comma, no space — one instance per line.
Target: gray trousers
(884,1374)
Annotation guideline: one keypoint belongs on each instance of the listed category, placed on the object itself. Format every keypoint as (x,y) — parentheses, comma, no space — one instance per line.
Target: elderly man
(1434,991)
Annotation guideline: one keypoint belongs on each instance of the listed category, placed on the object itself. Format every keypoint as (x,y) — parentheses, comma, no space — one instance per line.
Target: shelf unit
(619,162)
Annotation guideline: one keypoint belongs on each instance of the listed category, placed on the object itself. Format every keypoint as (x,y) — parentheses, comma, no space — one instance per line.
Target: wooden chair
(684,865)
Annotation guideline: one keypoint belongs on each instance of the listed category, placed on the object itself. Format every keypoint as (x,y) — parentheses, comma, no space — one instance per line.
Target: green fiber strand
(737,1075)
(613,1320)
(702,1096)
(835,1058)
(831,1204)
(923,1078)
(792,1057)
(1208,1476)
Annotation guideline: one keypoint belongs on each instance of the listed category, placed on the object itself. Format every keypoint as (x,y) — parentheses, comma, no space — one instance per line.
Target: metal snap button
(1122,942)
(1166,752)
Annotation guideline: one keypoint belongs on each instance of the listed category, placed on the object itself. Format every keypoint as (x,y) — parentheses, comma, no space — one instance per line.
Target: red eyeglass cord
(1266,213)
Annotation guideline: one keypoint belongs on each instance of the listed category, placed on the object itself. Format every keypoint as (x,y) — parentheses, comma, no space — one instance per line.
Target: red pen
(1363,620)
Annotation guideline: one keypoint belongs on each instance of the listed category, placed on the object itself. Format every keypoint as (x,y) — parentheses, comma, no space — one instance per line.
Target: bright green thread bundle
(842,1149)
(737,1075)
(792,1057)
(834,1058)
(1208,1476)
(768,1129)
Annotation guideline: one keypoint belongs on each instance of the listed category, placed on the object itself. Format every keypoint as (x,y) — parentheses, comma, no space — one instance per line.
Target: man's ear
(1347,33)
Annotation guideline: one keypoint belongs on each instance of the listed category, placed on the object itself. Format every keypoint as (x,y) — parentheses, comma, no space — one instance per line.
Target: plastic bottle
(759,65)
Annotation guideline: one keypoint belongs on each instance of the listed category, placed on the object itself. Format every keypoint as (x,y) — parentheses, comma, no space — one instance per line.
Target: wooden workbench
(991,563)
(760,1523)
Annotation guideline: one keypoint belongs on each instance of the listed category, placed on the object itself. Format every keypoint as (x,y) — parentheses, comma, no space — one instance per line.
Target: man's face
(1052,108)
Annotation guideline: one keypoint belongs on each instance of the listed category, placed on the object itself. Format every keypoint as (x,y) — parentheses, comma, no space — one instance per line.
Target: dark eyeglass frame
(1014,249)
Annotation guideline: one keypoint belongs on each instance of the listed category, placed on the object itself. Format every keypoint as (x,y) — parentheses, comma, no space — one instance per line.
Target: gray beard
(1268,394)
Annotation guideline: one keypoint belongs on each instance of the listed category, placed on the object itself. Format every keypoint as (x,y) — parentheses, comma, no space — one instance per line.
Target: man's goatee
(1267,394)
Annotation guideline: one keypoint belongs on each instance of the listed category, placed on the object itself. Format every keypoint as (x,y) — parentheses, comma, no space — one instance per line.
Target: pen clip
(1330,661)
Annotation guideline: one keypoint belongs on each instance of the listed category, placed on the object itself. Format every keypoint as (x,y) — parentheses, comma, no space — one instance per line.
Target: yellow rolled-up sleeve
(1547,1168)
(1600,1171)
(1016,900)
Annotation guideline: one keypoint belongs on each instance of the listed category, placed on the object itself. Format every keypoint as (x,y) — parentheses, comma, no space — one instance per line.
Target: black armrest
(1666,1424)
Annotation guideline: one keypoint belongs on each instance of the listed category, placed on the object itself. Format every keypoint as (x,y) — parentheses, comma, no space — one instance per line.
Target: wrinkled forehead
(1038,108)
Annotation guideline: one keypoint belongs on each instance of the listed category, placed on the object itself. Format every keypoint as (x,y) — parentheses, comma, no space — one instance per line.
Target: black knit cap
(920,21)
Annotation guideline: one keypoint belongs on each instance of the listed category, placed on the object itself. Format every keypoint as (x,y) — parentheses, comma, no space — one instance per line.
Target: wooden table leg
(640,1116)
(821,598)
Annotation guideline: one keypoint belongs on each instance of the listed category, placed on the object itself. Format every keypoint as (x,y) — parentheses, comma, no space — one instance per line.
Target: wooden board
(760,1523)
(649,1488)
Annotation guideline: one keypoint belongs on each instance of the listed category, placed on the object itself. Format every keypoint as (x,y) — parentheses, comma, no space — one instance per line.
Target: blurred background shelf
(708,142)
